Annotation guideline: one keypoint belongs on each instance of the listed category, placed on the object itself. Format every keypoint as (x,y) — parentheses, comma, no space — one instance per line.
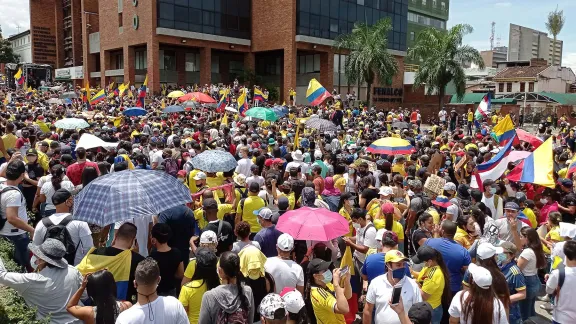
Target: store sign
(63,74)
(73,73)
(77,72)
(388,94)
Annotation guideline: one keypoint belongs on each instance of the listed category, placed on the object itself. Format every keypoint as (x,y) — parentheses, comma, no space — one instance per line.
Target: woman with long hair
(204,279)
(324,296)
(434,280)
(479,304)
(345,206)
(465,227)
(49,188)
(232,299)
(530,260)
(386,220)
(101,289)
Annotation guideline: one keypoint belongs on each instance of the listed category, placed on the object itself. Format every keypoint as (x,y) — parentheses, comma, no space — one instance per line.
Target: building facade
(424,14)
(527,43)
(493,57)
(22,46)
(537,77)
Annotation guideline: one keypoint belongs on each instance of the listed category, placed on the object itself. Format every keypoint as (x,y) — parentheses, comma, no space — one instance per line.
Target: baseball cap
(293,300)
(387,237)
(487,250)
(481,276)
(386,191)
(442,201)
(31,152)
(318,265)
(387,208)
(565,182)
(254,187)
(200,176)
(209,204)
(394,256)
(273,307)
(208,237)
(420,313)
(268,162)
(424,254)
(60,196)
(263,212)
(285,242)
(450,186)
(512,205)
(508,247)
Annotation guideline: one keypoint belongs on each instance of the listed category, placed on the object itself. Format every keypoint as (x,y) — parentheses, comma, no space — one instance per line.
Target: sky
(478,13)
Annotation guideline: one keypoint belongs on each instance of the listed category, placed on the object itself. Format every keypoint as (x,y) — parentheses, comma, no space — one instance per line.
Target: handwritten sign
(434,185)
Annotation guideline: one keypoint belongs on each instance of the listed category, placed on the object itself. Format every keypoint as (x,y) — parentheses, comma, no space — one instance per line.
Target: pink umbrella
(318,224)
(198,97)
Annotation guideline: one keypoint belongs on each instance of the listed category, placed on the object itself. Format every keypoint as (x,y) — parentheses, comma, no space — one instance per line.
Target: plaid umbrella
(71,123)
(323,125)
(128,194)
(214,161)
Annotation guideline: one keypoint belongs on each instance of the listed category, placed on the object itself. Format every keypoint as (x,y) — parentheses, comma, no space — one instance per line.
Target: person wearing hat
(286,273)
(567,206)
(246,207)
(381,288)
(222,228)
(199,181)
(273,309)
(324,291)
(79,231)
(509,226)
(506,259)
(268,235)
(34,172)
(295,306)
(49,288)
(480,304)
(297,162)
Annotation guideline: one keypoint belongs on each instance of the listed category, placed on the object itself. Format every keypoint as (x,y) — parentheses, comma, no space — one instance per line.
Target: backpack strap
(66,220)
(366,230)
(47,222)
(220,223)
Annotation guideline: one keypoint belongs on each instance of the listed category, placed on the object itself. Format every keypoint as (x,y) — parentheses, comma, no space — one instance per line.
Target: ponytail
(230,264)
(389,221)
(244,303)
(57,175)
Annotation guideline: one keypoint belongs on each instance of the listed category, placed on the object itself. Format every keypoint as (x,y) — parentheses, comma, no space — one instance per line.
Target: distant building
(527,43)
(21,46)
(422,14)
(537,77)
(493,57)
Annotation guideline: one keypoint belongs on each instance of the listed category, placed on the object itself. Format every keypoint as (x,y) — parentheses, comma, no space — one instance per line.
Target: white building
(22,46)
(538,77)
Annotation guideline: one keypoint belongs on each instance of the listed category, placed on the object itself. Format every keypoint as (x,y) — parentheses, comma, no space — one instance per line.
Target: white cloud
(14,14)
(503,4)
(569,60)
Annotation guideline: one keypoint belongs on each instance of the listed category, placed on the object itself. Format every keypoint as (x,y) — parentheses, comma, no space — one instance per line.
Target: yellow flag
(163,104)
(297,136)
(224,120)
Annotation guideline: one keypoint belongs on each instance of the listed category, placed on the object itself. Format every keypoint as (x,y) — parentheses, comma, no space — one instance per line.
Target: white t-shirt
(157,157)
(442,115)
(286,273)
(497,211)
(564,312)
(530,268)
(455,310)
(165,310)
(368,240)
(48,178)
(380,293)
(295,164)
(257,179)
(13,198)
(142,229)
(79,231)
(48,190)
(244,167)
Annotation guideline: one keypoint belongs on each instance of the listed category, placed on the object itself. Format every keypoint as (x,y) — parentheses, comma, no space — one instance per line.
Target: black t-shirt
(416,237)
(35,171)
(183,225)
(567,201)
(136,258)
(168,263)
(226,236)
(369,194)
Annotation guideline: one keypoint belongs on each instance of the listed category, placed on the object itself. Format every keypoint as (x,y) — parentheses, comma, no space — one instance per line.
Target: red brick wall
(42,24)
(77,32)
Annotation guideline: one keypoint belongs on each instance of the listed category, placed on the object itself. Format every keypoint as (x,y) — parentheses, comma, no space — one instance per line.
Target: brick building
(285,42)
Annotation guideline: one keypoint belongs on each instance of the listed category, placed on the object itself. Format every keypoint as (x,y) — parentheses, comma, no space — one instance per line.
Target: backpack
(171,167)
(3,218)
(61,233)
(426,201)
(243,193)
(238,317)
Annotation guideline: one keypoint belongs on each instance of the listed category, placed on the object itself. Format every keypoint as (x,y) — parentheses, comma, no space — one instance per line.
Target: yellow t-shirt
(554,235)
(494,119)
(399,168)
(216,181)
(251,204)
(462,238)
(9,142)
(470,116)
(531,217)
(323,303)
(345,214)
(191,182)
(190,269)
(340,182)
(396,227)
(291,200)
(432,282)
(191,297)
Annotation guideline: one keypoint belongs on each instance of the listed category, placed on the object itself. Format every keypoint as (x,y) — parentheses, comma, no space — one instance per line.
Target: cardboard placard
(435,163)
(371,165)
(461,163)
(434,185)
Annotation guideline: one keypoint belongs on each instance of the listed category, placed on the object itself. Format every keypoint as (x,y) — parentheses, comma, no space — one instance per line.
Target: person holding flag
(142,93)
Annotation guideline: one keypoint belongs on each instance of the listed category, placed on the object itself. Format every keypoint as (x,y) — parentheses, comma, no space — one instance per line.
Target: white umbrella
(231,109)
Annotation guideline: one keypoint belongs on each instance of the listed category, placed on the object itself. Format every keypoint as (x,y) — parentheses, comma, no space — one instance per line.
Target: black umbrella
(322,125)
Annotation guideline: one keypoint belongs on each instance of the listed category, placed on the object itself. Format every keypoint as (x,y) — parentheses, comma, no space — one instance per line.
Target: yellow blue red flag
(19,77)
(536,168)
(118,265)
(316,93)
(505,130)
(242,103)
(258,95)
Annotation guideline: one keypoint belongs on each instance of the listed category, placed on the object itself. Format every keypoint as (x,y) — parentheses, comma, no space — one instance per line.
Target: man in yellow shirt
(8,142)
(247,206)
(470,118)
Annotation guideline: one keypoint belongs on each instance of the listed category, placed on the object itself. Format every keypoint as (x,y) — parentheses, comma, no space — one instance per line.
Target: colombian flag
(142,93)
(258,95)
(122,88)
(29,92)
(86,94)
(536,168)
(19,77)
(118,265)
(101,95)
(316,93)
(242,103)
(221,104)
(571,170)
(505,131)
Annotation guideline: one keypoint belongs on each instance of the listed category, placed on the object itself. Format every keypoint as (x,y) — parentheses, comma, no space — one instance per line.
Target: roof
(516,72)
(22,34)
(561,98)
(476,97)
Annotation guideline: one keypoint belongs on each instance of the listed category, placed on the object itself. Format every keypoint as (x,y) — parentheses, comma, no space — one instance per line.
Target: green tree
(6,53)
(368,59)
(554,25)
(441,55)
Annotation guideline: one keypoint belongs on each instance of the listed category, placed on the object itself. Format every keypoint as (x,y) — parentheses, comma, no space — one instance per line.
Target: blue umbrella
(214,161)
(173,109)
(280,111)
(134,111)
(128,194)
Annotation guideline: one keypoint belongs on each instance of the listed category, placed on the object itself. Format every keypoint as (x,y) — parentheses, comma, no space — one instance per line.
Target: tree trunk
(369,94)
(441,91)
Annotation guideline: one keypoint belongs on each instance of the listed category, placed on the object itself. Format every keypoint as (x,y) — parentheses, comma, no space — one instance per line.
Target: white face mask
(356,226)
(544,201)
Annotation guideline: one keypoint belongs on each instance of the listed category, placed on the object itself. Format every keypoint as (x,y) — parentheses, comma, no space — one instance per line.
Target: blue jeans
(20,248)
(532,289)
(437,314)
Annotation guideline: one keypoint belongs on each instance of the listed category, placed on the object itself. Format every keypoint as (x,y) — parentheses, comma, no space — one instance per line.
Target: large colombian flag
(536,168)
(494,168)
(505,130)
(258,95)
(19,77)
(101,95)
(118,265)
(316,93)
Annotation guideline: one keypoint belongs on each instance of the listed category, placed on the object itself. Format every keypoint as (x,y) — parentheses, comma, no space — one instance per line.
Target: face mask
(356,226)
(544,201)
(399,273)
(181,180)
(351,171)
(327,276)
(492,191)
(500,258)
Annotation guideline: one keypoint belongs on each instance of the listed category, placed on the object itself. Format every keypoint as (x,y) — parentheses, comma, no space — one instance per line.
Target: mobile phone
(396,295)
(343,271)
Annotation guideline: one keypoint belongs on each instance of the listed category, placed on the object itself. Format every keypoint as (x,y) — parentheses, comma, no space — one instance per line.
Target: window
(120,19)
(443,5)
(167,60)
(509,87)
(423,2)
(500,87)
(412,36)
(308,63)
(434,3)
(531,86)
(140,62)
(522,86)
(119,61)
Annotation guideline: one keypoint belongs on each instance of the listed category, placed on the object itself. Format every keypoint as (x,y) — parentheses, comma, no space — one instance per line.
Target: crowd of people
(468,254)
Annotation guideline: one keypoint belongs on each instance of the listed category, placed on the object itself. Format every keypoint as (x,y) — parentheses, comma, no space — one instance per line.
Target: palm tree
(368,56)
(554,25)
(441,54)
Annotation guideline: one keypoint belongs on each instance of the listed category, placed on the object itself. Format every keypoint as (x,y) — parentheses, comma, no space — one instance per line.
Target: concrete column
(104,65)
(327,70)
(288,73)
(153,62)
(205,65)
(129,64)
(181,66)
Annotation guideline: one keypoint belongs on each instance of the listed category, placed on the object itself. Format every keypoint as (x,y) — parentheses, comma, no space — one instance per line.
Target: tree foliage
(554,24)
(6,52)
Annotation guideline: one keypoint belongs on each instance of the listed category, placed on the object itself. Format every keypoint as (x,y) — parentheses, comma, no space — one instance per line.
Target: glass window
(208,18)
(302,64)
(244,25)
(315,21)
(169,60)
(195,16)
(181,2)
(231,6)
(360,14)
(522,86)
(423,2)
(208,4)
(215,68)
(304,5)
(324,23)
(334,8)
(443,5)
(434,3)
(309,64)
(166,23)
(180,13)
(531,86)
(361,2)
(192,62)
(304,19)
(166,11)
(325,7)
(334,25)
(390,6)
(244,8)
(196,4)
(315,6)
(140,62)
(317,63)
(352,12)
(343,10)
(509,87)
(500,87)
(231,22)
(412,36)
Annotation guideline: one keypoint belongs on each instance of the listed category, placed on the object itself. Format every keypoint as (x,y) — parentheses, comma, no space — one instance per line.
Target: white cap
(208,237)
(294,301)
(481,276)
(264,212)
(450,186)
(200,176)
(386,191)
(487,250)
(317,154)
(192,152)
(285,242)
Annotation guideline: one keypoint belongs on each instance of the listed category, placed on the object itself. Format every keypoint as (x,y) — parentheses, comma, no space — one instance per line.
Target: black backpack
(60,233)
(3,218)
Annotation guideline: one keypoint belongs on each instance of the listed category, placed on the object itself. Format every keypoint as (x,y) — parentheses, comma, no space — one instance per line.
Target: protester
(169,260)
(530,260)
(284,270)
(324,293)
